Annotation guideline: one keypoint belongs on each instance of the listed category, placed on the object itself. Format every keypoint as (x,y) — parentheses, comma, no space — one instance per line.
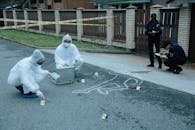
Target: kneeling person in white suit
(27,74)
(67,54)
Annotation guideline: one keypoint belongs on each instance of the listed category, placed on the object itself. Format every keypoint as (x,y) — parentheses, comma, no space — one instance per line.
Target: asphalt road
(79,106)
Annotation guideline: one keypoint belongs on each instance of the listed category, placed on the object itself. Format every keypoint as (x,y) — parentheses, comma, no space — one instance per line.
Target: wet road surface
(79,106)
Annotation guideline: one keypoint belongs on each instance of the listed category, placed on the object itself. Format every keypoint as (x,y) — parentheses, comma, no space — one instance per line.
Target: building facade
(141,4)
(60,4)
(121,3)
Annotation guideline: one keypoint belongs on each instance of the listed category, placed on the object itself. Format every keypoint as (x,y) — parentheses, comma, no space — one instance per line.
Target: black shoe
(150,65)
(160,66)
(170,69)
(30,95)
(20,88)
(177,70)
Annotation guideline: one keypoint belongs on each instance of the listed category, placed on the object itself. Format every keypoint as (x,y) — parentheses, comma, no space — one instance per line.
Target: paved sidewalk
(136,66)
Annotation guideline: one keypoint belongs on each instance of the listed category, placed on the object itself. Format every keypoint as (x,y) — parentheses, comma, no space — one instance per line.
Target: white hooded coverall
(28,73)
(67,54)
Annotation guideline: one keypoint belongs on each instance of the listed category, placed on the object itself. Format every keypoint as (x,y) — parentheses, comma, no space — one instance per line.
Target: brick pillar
(5,17)
(184,28)
(130,27)
(14,18)
(57,19)
(40,20)
(26,19)
(79,24)
(109,29)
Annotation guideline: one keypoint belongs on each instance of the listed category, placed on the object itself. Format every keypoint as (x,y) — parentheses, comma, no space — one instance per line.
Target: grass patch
(34,39)
(41,40)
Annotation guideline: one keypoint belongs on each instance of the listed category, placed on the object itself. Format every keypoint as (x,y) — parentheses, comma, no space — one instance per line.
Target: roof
(109,2)
(8,4)
(191,1)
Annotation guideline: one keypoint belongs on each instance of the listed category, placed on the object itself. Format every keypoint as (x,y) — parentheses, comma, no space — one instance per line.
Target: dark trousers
(20,88)
(173,64)
(151,43)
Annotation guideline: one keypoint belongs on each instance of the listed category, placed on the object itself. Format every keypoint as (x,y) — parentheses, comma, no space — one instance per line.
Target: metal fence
(120,25)
(94,31)
(32,15)
(141,19)
(48,16)
(20,16)
(170,21)
(9,15)
(68,15)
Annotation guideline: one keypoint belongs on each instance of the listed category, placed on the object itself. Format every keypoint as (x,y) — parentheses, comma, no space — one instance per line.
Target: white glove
(163,56)
(40,94)
(73,62)
(48,73)
(58,66)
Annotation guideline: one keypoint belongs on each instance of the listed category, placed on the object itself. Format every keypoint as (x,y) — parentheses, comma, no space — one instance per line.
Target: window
(57,1)
(40,1)
(33,1)
(49,6)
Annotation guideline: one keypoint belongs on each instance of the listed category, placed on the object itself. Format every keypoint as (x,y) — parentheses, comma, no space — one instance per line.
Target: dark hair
(165,44)
(153,15)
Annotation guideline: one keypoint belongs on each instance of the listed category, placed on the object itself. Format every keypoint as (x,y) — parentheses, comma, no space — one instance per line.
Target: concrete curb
(81,49)
(104,51)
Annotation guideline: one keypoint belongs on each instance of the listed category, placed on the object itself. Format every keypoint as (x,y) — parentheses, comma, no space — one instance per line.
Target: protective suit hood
(36,56)
(67,37)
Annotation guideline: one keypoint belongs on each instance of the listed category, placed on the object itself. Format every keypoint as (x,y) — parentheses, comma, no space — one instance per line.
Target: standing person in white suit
(27,74)
(67,54)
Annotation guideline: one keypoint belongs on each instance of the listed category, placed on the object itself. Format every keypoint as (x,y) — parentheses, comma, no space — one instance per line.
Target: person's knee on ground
(26,95)
(173,67)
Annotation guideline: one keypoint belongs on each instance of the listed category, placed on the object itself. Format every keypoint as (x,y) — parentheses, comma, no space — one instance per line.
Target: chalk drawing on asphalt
(111,85)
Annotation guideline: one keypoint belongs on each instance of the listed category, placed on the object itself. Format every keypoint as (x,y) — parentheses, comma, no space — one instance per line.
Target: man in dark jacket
(153,31)
(175,56)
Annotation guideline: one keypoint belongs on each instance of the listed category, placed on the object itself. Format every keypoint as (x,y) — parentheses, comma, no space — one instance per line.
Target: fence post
(156,9)
(5,17)
(14,18)
(184,28)
(110,28)
(79,24)
(40,20)
(26,19)
(57,19)
(130,27)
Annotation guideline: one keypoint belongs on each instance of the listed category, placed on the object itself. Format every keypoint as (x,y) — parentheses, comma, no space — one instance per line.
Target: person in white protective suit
(27,74)
(67,54)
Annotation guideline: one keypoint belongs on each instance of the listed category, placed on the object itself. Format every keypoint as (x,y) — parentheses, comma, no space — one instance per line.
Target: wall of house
(58,6)
(174,3)
(160,2)
(80,3)
(67,4)
(184,28)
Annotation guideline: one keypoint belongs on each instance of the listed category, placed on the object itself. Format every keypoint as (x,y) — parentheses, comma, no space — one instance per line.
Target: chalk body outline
(103,88)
